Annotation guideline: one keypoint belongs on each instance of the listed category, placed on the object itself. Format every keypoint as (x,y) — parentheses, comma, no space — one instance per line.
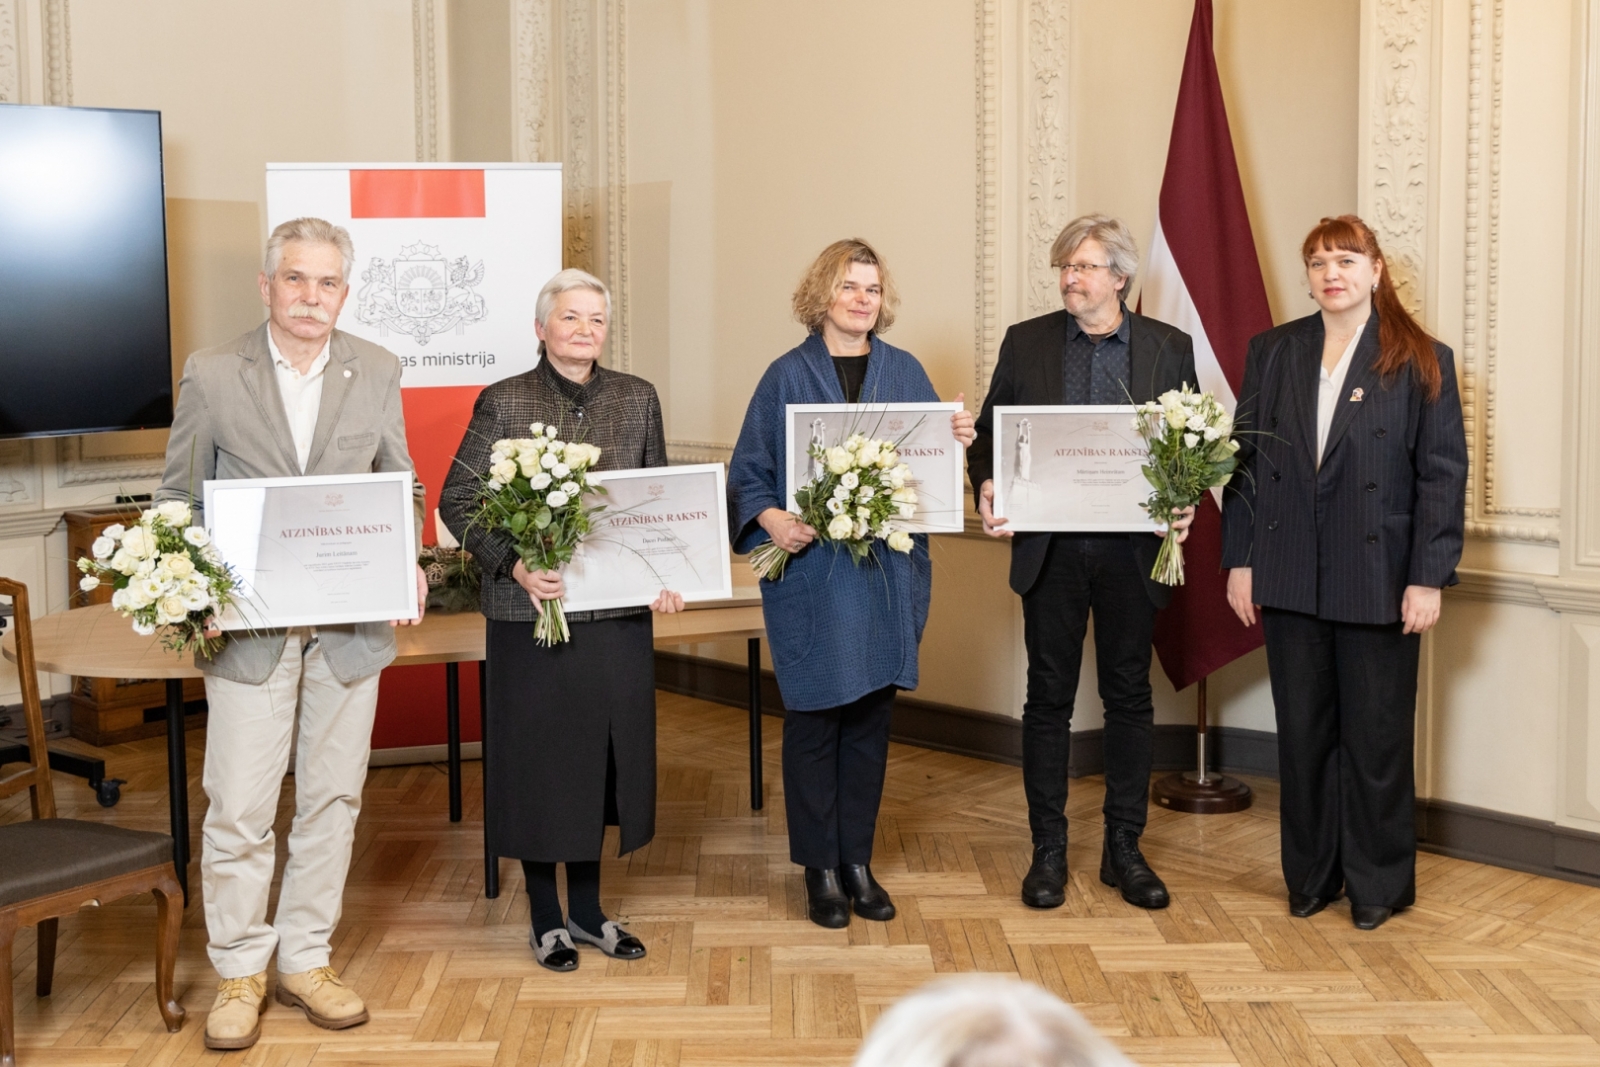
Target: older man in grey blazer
(292,397)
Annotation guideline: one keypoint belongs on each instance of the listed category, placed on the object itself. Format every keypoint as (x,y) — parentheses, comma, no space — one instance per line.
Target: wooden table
(93,642)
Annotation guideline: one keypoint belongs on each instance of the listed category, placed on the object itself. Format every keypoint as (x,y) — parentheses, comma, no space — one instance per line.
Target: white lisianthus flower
(570,488)
(494,485)
(144,629)
(900,541)
(863,513)
(1136,424)
(119,600)
(861,529)
(138,543)
(194,599)
(115,531)
(550,431)
(835,506)
(838,460)
(506,470)
(103,547)
(88,582)
(839,527)
(850,480)
(856,441)
(556,446)
(122,562)
(1190,440)
(85,565)
(548,460)
(536,428)
(541,480)
(906,510)
(841,493)
(556,499)
(1211,433)
(904,495)
(865,494)
(145,568)
(1197,422)
(149,589)
(560,470)
(197,536)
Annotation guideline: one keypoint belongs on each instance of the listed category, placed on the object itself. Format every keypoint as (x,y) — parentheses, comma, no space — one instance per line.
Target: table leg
(754,647)
(178,783)
(452,725)
(491,862)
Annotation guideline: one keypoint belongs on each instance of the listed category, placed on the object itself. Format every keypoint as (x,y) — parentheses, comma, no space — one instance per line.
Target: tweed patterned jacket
(1385,510)
(615,411)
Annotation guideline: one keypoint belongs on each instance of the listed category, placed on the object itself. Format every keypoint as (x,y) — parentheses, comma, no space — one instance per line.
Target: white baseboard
(391,757)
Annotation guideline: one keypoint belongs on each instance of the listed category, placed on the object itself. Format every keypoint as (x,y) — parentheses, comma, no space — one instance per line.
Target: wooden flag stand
(1200,792)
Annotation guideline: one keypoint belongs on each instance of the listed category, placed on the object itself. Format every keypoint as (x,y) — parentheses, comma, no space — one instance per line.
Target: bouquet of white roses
(167,575)
(862,488)
(1191,452)
(534,490)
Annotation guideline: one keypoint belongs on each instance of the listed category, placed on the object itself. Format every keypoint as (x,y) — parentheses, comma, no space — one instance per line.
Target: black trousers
(1086,573)
(1346,699)
(833,766)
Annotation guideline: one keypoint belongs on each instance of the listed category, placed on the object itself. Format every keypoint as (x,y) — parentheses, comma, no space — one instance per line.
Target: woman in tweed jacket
(843,638)
(570,730)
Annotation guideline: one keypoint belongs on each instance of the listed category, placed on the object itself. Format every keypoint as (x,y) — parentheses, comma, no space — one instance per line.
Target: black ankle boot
(1045,885)
(1122,866)
(826,903)
(871,900)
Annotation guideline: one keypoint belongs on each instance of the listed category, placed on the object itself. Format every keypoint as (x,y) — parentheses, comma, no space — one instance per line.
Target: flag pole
(1200,792)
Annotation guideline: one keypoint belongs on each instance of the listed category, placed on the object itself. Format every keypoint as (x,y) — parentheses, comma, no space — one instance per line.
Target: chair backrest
(36,777)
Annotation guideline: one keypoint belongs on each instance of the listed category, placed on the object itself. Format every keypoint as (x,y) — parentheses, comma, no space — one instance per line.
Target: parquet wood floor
(1492,967)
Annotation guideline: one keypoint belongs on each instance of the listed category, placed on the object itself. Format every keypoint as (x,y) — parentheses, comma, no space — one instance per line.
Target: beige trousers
(249,732)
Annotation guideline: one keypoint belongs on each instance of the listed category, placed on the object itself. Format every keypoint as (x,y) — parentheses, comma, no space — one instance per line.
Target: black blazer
(1160,357)
(1385,511)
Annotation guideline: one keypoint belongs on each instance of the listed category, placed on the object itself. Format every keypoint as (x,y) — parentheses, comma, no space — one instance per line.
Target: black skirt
(570,740)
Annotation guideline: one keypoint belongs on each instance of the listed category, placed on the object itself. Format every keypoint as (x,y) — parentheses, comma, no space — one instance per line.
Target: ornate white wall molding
(532,23)
(29,524)
(10,54)
(616,160)
(986,283)
(1582,440)
(57,52)
(698,452)
(1395,146)
(577,107)
(425,75)
(19,477)
(1049,201)
(73,469)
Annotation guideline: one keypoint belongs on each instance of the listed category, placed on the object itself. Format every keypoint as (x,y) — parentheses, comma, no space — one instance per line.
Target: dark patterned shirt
(615,411)
(1095,372)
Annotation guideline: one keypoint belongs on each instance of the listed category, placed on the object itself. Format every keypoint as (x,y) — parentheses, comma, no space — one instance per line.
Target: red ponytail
(1402,342)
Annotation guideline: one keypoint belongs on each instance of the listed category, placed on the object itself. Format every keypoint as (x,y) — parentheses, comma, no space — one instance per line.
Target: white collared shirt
(1329,386)
(302,397)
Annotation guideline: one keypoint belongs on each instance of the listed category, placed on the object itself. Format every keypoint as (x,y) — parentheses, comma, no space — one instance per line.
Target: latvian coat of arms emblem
(420,293)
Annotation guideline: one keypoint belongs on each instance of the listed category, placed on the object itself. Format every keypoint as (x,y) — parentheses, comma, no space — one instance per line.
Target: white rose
(115,530)
(560,470)
(1136,424)
(838,460)
(138,543)
(171,609)
(570,488)
(850,480)
(178,565)
(144,629)
(594,453)
(556,446)
(122,562)
(904,495)
(494,485)
(536,428)
(504,445)
(856,441)
(556,499)
(529,446)
(103,547)
(900,541)
(574,455)
(548,460)
(866,493)
(550,431)
(868,456)
(197,536)
(835,506)
(88,582)
(906,510)
(119,600)
(839,527)
(888,458)
(540,481)
(528,466)
(497,457)
(176,512)
(1190,440)
(194,599)
(506,470)
(861,530)
(145,568)
(1169,399)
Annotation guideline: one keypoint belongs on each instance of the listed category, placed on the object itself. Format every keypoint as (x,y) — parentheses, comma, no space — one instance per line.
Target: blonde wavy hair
(825,277)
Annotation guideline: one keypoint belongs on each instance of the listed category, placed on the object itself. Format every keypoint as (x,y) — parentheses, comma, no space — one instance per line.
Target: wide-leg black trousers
(1346,700)
(834,762)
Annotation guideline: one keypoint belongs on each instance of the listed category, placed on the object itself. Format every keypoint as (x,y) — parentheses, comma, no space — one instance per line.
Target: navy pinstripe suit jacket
(1386,509)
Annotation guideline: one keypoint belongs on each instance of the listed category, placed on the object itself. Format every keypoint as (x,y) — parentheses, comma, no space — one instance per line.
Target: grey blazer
(230,423)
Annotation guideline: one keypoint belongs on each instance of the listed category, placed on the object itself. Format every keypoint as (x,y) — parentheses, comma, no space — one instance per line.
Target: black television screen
(85,339)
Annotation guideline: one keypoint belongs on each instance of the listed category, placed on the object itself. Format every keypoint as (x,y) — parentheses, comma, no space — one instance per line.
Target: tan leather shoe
(327,1001)
(235,1019)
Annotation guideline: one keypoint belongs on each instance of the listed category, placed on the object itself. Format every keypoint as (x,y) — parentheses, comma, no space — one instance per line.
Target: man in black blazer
(1094,352)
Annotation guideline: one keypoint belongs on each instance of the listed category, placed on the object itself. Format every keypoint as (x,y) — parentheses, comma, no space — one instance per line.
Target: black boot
(826,903)
(1122,865)
(1046,883)
(871,900)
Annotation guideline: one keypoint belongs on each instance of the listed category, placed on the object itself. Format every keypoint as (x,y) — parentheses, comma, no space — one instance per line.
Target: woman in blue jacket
(843,637)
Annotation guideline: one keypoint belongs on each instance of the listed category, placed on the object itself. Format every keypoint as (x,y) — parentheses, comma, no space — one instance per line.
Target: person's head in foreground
(985,1021)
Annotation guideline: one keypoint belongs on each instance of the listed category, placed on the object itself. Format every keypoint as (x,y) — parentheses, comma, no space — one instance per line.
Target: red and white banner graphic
(1203,277)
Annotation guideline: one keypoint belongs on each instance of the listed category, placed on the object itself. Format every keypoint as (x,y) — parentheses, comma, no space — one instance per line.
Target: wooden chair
(51,867)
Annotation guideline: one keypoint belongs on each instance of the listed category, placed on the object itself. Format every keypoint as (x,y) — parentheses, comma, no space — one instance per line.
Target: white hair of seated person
(985,1021)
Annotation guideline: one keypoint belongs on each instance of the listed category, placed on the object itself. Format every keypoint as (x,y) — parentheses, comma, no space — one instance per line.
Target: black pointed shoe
(1045,885)
(1123,867)
(1369,916)
(870,899)
(1303,906)
(826,904)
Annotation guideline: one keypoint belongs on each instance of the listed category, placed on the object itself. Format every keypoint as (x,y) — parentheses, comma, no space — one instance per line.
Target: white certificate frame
(937,460)
(612,566)
(1047,500)
(338,514)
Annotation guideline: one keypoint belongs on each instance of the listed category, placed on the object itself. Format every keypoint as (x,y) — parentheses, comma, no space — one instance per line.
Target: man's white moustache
(306,311)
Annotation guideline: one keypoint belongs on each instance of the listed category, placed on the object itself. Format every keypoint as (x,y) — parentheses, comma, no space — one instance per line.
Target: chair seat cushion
(44,856)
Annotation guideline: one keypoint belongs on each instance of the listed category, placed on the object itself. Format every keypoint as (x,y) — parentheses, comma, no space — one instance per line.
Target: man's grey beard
(308,311)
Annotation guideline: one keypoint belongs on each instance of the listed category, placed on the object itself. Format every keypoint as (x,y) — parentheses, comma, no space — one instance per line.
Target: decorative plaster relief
(577,155)
(684,452)
(425,91)
(57,53)
(10,54)
(73,469)
(617,178)
(1049,167)
(532,21)
(986,284)
(19,477)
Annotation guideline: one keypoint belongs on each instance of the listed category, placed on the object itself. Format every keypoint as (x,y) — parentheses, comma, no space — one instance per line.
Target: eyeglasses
(1085,269)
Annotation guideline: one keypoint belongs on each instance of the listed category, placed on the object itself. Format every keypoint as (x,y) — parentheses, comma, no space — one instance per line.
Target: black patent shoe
(870,899)
(554,951)
(614,940)
(826,904)
(1303,906)
(1369,916)
(1045,885)
(1123,867)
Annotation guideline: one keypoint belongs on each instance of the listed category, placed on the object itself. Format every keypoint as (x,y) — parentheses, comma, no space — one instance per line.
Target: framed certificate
(1070,468)
(662,528)
(922,435)
(316,551)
